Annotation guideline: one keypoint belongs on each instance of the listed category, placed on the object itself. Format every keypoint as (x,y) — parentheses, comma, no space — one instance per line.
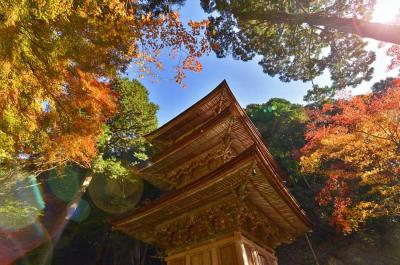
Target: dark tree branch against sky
(378,31)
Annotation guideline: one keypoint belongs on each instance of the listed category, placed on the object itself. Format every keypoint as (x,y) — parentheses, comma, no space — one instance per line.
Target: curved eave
(275,181)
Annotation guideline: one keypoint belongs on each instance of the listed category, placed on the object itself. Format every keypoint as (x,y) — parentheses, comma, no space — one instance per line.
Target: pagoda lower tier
(225,201)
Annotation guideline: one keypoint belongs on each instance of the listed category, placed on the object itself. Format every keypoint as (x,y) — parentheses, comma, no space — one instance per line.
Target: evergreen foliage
(296,40)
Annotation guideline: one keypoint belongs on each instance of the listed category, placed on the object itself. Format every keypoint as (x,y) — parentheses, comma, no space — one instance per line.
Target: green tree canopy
(122,145)
(383,85)
(282,124)
(136,116)
(299,40)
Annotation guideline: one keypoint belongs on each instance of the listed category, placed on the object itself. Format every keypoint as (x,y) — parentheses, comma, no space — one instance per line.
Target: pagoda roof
(199,128)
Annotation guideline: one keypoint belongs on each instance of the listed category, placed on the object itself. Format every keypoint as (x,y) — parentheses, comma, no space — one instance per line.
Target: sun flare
(386,11)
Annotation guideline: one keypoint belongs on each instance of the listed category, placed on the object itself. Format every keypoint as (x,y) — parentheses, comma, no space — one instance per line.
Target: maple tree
(282,125)
(57,60)
(355,142)
(120,146)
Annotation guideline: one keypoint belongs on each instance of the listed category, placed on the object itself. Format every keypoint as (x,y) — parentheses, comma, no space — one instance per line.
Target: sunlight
(386,10)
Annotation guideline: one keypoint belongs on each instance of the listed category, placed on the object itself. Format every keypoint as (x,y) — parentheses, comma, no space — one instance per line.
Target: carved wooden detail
(256,224)
(199,226)
(221,218)
(202,164)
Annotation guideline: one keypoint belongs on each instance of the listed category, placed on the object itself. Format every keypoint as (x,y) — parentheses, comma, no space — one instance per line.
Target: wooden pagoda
(224,202)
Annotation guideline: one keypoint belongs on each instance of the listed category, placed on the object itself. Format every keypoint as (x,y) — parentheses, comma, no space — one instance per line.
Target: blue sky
(246,79)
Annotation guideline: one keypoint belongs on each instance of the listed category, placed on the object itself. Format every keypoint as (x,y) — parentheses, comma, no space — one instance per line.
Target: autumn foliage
(57,58)
(355,142)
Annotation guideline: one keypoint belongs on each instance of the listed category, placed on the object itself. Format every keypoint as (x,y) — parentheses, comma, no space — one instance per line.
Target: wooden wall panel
(207,259)
(196,259)
(227,255)
(177,261)
(236,250)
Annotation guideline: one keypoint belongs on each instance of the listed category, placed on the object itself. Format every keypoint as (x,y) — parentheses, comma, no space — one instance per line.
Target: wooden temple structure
(225,202)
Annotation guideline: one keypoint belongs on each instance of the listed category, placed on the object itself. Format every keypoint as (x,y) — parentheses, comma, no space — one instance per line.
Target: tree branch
(362,28)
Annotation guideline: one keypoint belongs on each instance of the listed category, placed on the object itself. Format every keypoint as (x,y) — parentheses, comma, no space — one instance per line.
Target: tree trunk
(364,29)
(66,215)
